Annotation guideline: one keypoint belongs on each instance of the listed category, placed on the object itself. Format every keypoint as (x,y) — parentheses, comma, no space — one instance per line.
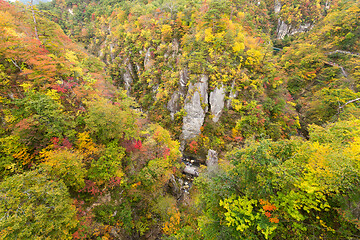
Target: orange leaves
(268,208)
(173,224)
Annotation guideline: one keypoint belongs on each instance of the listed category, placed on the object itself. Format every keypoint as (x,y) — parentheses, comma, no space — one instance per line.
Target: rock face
(217,98)
(277,6)
(212,160)
(192,170)
(232,94)
(174,103)
(128,76)
(283,29)
(175,185)
(195,113)
(147,60)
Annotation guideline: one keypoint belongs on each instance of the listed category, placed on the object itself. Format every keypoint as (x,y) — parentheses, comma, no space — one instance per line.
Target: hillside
(182,119)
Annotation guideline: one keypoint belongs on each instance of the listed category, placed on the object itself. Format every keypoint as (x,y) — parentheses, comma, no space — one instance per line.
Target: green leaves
(109,165)
(108,120)
(33,206)
(67,165)
(239,212)
(42,115)
(306,185)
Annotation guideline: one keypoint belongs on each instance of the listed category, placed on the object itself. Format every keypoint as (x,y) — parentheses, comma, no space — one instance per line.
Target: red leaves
(138,145)
(4,4)
(194,146)
(65,86)
(131,145)
(166,152)
(114,182)
(64,143)
(92,188)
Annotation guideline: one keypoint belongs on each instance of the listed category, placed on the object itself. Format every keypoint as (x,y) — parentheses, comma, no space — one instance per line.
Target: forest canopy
(181,119)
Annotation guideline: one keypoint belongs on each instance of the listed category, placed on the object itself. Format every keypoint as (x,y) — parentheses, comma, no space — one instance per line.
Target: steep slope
(80,159)
(322,67)
(194,66)
(77,157)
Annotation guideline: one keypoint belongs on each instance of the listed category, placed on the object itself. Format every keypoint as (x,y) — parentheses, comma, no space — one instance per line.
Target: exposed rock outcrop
(175,185)
(174,104)
(212,160)
(192,170)
(284,29)
(232,94)
(128,76)
(196,106)
(217,98)
(277,6)
(147,60)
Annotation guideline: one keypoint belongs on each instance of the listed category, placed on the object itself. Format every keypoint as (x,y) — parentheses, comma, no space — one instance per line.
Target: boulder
(192,170)
(212,160)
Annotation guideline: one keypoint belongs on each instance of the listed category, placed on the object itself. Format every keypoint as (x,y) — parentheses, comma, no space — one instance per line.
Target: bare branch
(15,64)
(351,101)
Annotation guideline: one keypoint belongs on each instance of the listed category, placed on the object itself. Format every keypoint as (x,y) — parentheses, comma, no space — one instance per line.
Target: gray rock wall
(128,76)
(217,98)
(196,106)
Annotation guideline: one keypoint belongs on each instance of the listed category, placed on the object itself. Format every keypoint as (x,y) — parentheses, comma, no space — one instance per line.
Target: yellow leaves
(166,31)
(65,164)
(86,145)
(53,94)
(198,36)
(241,15)
(318,160)
(135,185)
(239,212)
(239,42)
(13,147)
(208,35)
(353,152)
(5,18)
(220,36)
(27,86)
(237,105)
(238,47)
(10,31)
(22,155)
(121,16)
(9,118)
(253,57)
(73,59)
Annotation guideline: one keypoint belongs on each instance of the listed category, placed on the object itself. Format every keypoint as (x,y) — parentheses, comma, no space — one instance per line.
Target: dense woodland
(101,102)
